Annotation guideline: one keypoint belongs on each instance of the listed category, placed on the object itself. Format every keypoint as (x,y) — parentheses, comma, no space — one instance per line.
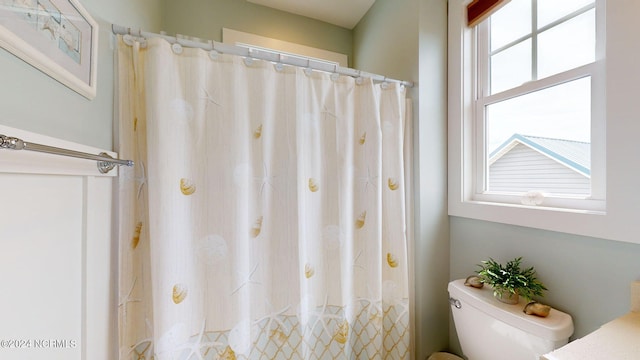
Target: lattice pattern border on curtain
(278,342)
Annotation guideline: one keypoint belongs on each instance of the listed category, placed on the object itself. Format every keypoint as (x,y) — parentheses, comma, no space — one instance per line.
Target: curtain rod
(105,162)
(286,59)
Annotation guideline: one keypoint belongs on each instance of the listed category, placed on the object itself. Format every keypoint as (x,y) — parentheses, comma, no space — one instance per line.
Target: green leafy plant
(510,278)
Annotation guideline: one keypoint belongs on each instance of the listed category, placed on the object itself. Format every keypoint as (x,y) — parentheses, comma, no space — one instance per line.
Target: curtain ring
(384,84)
(359,78)
(177,48)
(308,70)
(334,76)
(279,65)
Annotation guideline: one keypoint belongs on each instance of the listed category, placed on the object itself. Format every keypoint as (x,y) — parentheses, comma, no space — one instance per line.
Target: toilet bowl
(491,330)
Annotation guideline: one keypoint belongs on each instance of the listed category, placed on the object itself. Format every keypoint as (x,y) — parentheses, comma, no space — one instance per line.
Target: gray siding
(523,169)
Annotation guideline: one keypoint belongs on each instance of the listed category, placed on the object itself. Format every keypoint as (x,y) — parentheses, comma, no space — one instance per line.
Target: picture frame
(57,37)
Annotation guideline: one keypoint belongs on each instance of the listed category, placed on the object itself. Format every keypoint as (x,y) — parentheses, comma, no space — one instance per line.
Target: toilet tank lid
(557,326)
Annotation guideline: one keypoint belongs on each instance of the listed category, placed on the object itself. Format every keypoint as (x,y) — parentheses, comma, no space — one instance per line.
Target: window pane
(511,22)
(541,141)
(568,45)
(511,67)
(552,10)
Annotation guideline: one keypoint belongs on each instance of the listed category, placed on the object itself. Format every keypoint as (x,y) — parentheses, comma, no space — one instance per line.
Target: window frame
(596,200)
(616,152)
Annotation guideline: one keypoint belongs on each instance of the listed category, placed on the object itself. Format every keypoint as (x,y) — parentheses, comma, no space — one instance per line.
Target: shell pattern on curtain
(265,216)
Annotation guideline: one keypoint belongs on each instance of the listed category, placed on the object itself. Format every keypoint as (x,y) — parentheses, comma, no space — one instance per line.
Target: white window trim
(240,38)
(620,220)
(596,201)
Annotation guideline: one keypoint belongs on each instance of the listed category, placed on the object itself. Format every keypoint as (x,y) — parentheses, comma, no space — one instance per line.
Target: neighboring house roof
(573,154)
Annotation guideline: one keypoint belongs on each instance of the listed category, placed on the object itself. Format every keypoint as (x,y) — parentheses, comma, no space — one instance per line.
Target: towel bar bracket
(7,142)
(105,166)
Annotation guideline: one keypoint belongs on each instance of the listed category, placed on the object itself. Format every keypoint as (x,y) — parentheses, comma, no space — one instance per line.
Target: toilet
(491,330)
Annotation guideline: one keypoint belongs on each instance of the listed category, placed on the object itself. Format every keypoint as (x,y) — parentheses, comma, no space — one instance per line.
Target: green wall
(588,278)
(433,222)
(206,18)
(33,101)
(406,39)
(385,41)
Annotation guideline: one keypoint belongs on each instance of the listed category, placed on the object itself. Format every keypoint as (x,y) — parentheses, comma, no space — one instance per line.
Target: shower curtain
(265,215)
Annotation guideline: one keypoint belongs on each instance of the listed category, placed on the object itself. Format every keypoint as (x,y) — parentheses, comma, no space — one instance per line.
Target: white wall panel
(41,266)
(56,260)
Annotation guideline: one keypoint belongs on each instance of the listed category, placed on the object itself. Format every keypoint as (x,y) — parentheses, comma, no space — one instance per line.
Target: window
(539,95)
(609,208)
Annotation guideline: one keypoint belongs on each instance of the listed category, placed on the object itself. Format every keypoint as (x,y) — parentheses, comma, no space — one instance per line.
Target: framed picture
(58,37)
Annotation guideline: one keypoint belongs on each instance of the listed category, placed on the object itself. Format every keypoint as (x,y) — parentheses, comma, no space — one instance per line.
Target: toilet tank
(490,330)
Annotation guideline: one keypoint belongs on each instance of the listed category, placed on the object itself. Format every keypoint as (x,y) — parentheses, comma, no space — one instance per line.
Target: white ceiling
(345,13)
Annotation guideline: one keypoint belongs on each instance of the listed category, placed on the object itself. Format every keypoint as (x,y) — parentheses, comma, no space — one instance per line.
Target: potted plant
(509,281)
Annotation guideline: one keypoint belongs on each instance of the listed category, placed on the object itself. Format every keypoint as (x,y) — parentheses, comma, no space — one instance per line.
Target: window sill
(548,202)
(593,223)
(537,208)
